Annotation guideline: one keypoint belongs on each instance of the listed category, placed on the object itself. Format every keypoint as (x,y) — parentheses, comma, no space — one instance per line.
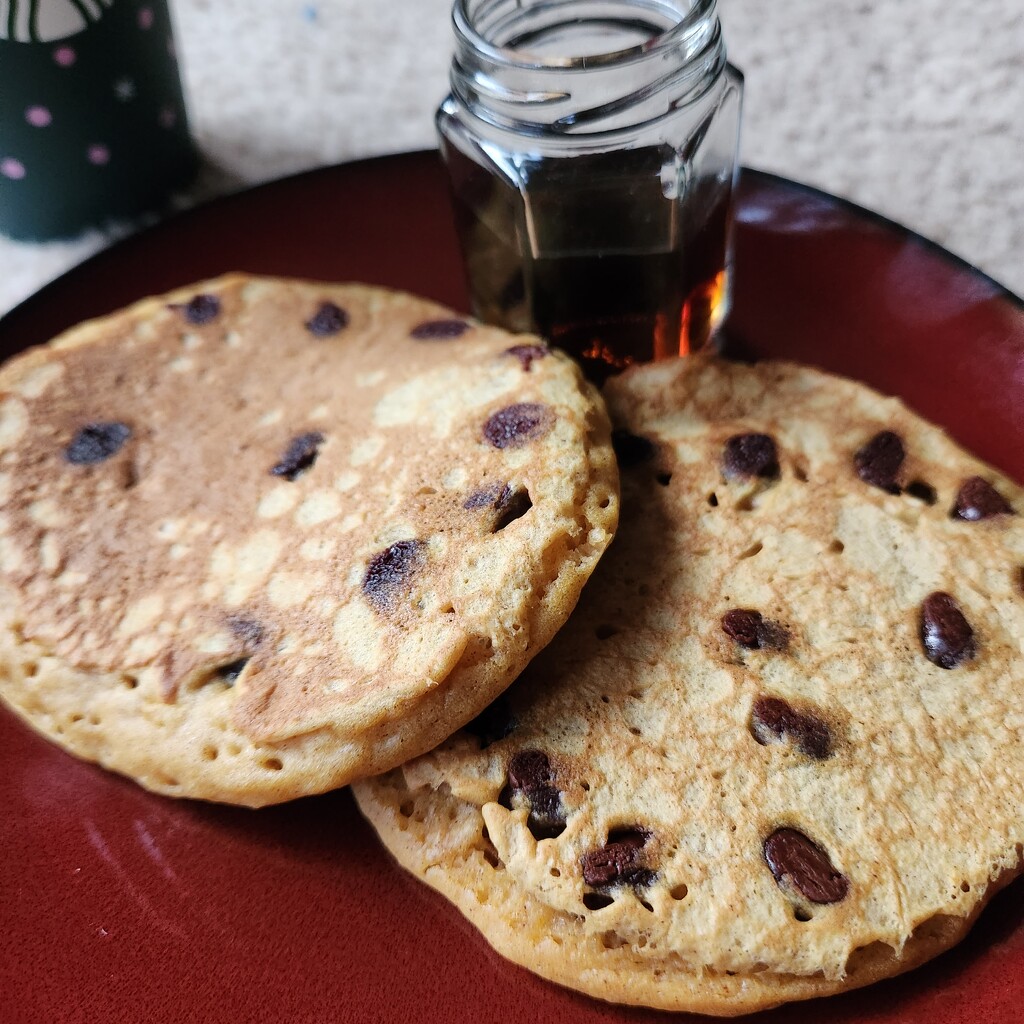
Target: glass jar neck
(583,67)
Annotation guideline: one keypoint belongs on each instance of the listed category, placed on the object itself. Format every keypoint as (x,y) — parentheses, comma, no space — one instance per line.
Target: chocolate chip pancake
(261,537)
(778,750)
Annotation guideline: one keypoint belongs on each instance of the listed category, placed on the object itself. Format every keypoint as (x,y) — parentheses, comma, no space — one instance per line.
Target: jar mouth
(649,49)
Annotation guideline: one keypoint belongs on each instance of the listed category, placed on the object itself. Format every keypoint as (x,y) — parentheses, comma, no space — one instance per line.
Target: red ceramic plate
(120,906)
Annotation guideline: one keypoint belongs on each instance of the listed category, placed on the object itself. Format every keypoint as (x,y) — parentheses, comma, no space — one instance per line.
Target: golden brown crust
(528,932)
(304,558)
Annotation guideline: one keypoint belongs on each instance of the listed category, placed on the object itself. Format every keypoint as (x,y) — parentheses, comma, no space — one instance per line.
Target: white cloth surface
(913,108)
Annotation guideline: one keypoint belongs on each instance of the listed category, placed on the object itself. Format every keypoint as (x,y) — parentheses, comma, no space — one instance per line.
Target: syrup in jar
(592,163)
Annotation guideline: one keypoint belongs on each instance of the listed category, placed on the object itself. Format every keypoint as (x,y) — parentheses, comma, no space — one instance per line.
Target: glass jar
(591,147)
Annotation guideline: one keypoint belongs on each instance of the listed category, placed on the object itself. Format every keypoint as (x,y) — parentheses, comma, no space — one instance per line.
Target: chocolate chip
(390,570)
(799,862)
(484,498)
(618,862)
(327,320)
(750,455)
(946,634)
(201,309)
(299,456)
(632,449)
(515,425)
(494,723)
(751,630)
(439,330)
(978,499)
(742,625)
(510,506)
(530,774)
(546,820)
(527,354)
(97,442)
(248,631)
(529,769)
(774,719)
(597,900)
(880,460)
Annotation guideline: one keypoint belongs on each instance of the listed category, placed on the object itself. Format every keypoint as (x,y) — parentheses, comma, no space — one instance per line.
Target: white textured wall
(914,108)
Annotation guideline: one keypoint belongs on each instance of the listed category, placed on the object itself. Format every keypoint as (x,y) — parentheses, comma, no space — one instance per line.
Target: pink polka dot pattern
(98,154)
(146,18)
(65,56)
(11,168)
(38,117)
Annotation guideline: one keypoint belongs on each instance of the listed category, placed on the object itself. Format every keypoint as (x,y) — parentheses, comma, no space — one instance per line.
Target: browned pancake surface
(778,750)
(274,535)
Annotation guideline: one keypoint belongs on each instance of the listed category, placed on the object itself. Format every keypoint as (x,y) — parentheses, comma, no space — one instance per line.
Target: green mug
(93,126)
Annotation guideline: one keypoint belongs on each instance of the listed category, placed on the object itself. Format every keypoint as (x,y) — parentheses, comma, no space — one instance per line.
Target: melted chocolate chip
(201,309)
(529,769)
(327,320)
(390,570)
(299,456)
(618,862)
(879,462)
(946,635)
(799,862)
(750,455)
(515,425)
(439,330)
(484,498)
(530,774)
(742,625)
(510,506)
(751,630)
(773,719)
(97,442)
(978,499)
(494,723)
(772,636)
(546,820)
(643,878)
(248,631)
(632,449)
(527,354)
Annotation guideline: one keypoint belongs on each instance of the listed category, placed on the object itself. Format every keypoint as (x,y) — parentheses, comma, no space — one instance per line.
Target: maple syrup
(593,194)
